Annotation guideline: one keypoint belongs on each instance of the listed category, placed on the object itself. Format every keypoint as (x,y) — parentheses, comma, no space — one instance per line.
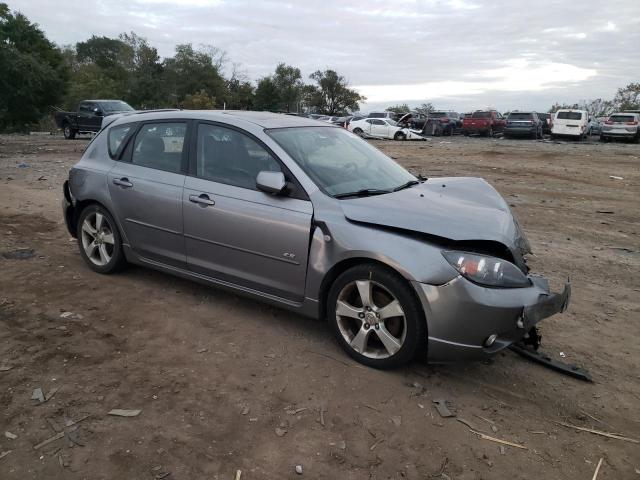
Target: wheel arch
(79,208)
(342,266)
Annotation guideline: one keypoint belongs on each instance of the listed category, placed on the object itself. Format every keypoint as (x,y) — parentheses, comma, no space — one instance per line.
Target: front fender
(409,255)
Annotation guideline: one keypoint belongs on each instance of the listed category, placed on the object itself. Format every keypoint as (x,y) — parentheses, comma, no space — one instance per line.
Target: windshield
(340,162)
(116,106)
(393,123)
(520,116)
(569,116)
(481,115)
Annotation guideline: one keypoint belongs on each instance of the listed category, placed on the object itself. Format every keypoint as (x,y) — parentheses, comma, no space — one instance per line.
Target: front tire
(399,136)
(99,240)
(358,131)
(375,316)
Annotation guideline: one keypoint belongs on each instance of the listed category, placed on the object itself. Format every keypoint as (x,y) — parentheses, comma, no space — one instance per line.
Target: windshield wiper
(410,183)
(365,192)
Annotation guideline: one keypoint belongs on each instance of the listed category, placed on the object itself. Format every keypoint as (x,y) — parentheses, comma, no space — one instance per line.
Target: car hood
(453,208)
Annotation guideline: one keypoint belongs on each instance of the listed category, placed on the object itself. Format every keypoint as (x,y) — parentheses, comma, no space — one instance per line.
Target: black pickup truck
(89,116)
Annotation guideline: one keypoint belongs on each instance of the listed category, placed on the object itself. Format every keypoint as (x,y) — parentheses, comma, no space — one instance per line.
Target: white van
(571,123)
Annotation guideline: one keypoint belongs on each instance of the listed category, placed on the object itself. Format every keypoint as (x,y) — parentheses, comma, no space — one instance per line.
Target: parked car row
(415,125)
(565,123)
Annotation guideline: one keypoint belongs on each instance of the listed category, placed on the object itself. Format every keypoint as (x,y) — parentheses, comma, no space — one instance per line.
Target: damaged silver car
(312,218)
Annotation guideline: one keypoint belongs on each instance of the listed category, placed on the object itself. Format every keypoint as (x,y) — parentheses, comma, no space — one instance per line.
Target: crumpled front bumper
(462,315)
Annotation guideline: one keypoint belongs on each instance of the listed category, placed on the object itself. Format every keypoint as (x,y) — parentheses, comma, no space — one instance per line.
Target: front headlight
(486,270)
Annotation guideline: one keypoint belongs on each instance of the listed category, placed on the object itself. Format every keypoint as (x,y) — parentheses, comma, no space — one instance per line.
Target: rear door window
(160,146)
(85,107)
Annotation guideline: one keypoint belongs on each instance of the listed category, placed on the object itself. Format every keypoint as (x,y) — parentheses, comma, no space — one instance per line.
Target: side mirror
(271,182)
(97,112)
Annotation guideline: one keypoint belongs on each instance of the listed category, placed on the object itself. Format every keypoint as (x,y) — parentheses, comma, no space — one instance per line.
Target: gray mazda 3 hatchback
(310,217)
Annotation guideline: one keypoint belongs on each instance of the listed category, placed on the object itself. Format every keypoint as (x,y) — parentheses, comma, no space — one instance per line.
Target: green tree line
(37,76)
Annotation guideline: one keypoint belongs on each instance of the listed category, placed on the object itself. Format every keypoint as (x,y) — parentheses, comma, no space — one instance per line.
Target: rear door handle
(202,199)
(123,182)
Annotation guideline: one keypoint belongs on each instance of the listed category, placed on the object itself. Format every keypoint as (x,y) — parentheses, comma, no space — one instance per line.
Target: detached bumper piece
(547,361)
(554,303)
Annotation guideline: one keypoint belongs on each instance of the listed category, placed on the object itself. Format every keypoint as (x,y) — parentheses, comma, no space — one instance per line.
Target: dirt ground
(226,384)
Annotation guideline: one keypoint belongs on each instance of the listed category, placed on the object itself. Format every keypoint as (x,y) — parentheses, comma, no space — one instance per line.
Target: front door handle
(123,182)
(202,199)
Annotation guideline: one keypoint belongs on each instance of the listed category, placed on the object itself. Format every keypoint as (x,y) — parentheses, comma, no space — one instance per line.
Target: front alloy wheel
(376,317)
(399,136)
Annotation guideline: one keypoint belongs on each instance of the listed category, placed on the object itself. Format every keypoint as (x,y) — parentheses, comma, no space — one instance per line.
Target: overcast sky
(457,54)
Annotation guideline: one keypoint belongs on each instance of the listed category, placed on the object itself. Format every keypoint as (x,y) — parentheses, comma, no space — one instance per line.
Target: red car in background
(484,122)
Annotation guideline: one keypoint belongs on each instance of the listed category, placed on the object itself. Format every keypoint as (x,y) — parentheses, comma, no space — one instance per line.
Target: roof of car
(263,119)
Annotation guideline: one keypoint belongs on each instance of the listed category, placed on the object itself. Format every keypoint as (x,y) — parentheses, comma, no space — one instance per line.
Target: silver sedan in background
(310,217)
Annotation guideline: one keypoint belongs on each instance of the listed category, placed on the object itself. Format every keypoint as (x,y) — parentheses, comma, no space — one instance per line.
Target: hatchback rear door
(236,233)
(146,191)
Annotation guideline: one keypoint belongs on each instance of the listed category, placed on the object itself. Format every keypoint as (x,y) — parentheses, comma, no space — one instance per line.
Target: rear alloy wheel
(99,240)
(68,132)
(399,136)
(375,317)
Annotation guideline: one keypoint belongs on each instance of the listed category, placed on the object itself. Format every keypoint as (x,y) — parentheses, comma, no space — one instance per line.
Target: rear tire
(99,240)
(361,326)
(68,132)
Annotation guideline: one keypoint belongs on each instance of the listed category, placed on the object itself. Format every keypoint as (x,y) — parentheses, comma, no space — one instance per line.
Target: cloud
(519,75)
(577,36)
(413,49)
(609,27)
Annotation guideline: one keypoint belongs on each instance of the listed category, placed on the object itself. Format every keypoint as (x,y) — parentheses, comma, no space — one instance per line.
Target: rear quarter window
(117,135)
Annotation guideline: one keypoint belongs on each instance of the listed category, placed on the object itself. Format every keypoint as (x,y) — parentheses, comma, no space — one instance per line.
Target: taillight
(444,120)
(632,123)
(608,122)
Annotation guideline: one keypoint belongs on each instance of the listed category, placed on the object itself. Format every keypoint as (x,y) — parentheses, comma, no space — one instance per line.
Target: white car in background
(383,128)
(571,123)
